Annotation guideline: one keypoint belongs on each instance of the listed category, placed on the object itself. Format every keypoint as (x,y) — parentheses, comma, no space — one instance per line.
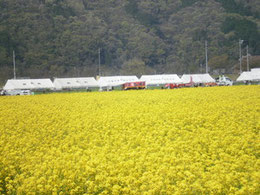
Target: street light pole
(206,53)
(99,62)
(14,64)
(247,58)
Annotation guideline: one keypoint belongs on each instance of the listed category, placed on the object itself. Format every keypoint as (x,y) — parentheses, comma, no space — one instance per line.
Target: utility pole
(206,53)
(99,62)
(14,64)
(247,58)
(75,71)
(240,55)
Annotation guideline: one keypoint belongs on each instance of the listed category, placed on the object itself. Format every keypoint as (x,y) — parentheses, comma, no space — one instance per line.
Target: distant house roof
(13,84)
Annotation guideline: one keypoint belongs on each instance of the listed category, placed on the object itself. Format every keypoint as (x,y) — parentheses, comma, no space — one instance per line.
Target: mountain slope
(55,38)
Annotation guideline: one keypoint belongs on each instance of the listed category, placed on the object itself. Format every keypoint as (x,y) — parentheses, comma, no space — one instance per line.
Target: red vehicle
(171,86)
(210,84)
(134,85)
(191,84)
(180,85)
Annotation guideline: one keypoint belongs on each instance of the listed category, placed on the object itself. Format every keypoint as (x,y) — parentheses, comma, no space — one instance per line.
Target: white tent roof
(197,78)
(111,81)
(88,81)
(80,82)
(160,79)
(245,76)
(42,83)
(186,78)
(206,78)
(249,76)
(13,84)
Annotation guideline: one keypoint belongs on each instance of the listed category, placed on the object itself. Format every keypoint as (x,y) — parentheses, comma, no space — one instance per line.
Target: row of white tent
(102,82)
(113,81)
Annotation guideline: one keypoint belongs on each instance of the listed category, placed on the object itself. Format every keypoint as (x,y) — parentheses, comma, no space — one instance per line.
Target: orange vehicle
(210,84)
(180,85)
(134,85)
(172,86)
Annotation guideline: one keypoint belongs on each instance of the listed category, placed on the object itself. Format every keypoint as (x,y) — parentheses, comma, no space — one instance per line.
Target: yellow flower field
(182,141)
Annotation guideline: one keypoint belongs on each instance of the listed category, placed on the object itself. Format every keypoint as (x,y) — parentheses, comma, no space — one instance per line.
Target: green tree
(136,67)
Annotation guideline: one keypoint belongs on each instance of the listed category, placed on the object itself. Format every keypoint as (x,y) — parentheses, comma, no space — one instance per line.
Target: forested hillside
(57,38)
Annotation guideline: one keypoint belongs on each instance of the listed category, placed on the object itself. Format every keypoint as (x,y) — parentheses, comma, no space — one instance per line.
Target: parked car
(2,92)
(224,81)
(16,92)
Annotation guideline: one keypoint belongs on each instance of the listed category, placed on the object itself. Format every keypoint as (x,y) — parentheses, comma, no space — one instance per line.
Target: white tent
(197,78)
(206,78)
(245,76)
(42,83)
(88,82)
(187,78)
(74,83)
(160,79)
(249,76)
(13,84)
(112,81)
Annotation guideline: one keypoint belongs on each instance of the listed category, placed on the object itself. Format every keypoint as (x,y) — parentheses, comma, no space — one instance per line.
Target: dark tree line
(56,38)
